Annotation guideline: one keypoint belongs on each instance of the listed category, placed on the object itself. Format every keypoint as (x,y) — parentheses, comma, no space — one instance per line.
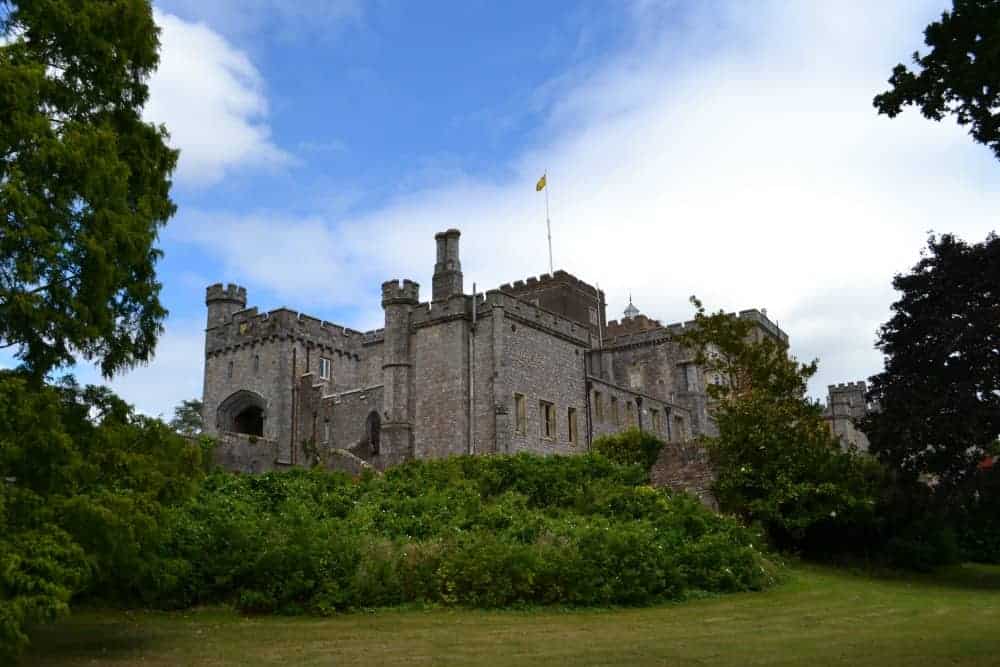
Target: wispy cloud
(732,153)
(211,97)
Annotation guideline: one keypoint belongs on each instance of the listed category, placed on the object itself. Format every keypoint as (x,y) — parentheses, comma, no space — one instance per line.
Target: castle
(530,366)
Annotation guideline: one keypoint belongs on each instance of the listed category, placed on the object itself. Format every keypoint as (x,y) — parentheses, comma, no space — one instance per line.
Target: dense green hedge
(631,447)
(484,531)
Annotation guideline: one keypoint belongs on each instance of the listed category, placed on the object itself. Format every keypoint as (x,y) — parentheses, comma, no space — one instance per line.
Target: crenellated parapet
(404,292)
(848,387)
(223,301)
(249,327)
(546,280)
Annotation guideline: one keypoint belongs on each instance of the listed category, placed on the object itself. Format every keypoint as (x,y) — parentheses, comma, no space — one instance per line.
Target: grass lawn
(819,616)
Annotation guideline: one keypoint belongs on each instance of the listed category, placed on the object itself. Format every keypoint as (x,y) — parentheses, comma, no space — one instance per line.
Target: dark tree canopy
(84,183)
(939,394)
(961,74)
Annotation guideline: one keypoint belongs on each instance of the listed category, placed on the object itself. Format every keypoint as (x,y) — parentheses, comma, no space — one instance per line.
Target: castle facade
(530,366)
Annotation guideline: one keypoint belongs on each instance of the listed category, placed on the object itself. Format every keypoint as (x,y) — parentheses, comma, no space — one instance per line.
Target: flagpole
(548,223)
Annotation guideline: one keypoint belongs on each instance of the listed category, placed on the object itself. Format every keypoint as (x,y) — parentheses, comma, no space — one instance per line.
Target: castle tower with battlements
(529,366)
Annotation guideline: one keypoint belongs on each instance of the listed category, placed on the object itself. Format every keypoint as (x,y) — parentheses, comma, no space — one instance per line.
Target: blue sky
(724,149)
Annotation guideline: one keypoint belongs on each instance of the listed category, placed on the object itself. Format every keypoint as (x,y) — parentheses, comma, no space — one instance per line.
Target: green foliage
(475,531)
(84,183)
(630,447)
(776,462)
(939,395)
(978,521)
(961,74)
(83,485)
(187,418)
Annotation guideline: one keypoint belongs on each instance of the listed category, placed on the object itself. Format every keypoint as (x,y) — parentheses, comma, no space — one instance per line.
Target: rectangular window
(326,430)
(679,433)
(229,371)
(571,425)
(616,417)
(654,417)
(324,368)
(630,413)
(520,416)
(547,412)
(598,406)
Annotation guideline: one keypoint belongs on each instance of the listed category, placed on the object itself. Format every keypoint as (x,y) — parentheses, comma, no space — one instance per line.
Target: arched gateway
(243,411)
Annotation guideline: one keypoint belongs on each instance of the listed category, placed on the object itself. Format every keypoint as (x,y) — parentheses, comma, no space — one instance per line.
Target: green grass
(820,616)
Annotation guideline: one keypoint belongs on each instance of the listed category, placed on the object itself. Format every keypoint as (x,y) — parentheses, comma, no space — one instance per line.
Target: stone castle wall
(544,339)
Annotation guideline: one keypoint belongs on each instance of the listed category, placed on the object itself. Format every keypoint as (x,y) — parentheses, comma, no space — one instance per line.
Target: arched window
(373,431)
(243,412)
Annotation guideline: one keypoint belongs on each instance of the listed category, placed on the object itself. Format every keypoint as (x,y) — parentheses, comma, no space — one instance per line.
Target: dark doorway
(243,412)
(373,429)
(249,421)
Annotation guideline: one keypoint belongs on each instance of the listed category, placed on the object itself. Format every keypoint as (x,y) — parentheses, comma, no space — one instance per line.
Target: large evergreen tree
(960,76)
(939,395)
(84,183)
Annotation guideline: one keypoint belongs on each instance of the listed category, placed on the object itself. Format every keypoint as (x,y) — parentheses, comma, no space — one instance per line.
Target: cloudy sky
(724,149)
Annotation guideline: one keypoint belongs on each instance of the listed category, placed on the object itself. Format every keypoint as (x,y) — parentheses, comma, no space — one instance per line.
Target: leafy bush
(631,447)
(84,483)
(474,531)
(977,520)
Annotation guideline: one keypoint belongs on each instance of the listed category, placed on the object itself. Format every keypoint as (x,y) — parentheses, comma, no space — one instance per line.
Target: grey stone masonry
(531,366)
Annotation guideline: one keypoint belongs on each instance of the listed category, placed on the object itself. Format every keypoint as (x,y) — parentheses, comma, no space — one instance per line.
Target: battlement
(631,325)
(249,324)
(845,387)
(559,278)
(229,292)
(394,292)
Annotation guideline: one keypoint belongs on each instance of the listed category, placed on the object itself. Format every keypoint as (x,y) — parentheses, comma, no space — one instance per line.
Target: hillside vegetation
(483,531)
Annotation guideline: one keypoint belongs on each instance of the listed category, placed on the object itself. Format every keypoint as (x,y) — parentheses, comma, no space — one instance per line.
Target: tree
(85,482)
(939,395)
(776,462)
(84,183)
(187,418)
(961,74)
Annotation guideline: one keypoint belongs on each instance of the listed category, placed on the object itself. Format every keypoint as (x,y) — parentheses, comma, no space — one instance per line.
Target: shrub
(631,447)
(474,531)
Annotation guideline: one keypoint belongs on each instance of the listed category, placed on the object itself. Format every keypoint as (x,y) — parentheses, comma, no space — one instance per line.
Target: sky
(727,150)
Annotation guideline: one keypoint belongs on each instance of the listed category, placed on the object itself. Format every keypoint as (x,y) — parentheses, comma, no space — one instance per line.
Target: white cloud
(733,153)
(211,98)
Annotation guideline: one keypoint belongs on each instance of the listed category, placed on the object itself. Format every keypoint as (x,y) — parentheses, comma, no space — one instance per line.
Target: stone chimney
(448,269)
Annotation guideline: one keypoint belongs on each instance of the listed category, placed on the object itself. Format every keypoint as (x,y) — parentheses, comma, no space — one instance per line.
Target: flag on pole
(540,184)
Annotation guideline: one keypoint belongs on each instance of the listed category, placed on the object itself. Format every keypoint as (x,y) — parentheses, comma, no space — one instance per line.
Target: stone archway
(242,412)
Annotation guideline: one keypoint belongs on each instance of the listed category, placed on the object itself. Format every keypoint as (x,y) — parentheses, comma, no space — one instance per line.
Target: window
(256,363)
(679,433)
(326,430)
(592,312)
(654,417)
(324,368)
(520,416)
(548,414)
(615,415)
(630,413)
(571,425)
(229,371)
(598,406)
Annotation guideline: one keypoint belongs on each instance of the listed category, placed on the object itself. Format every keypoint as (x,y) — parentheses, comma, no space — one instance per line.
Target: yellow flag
(540,184)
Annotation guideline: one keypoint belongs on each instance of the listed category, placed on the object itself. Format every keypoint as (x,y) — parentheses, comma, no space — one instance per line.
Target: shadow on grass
(77,639)
(965,576)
